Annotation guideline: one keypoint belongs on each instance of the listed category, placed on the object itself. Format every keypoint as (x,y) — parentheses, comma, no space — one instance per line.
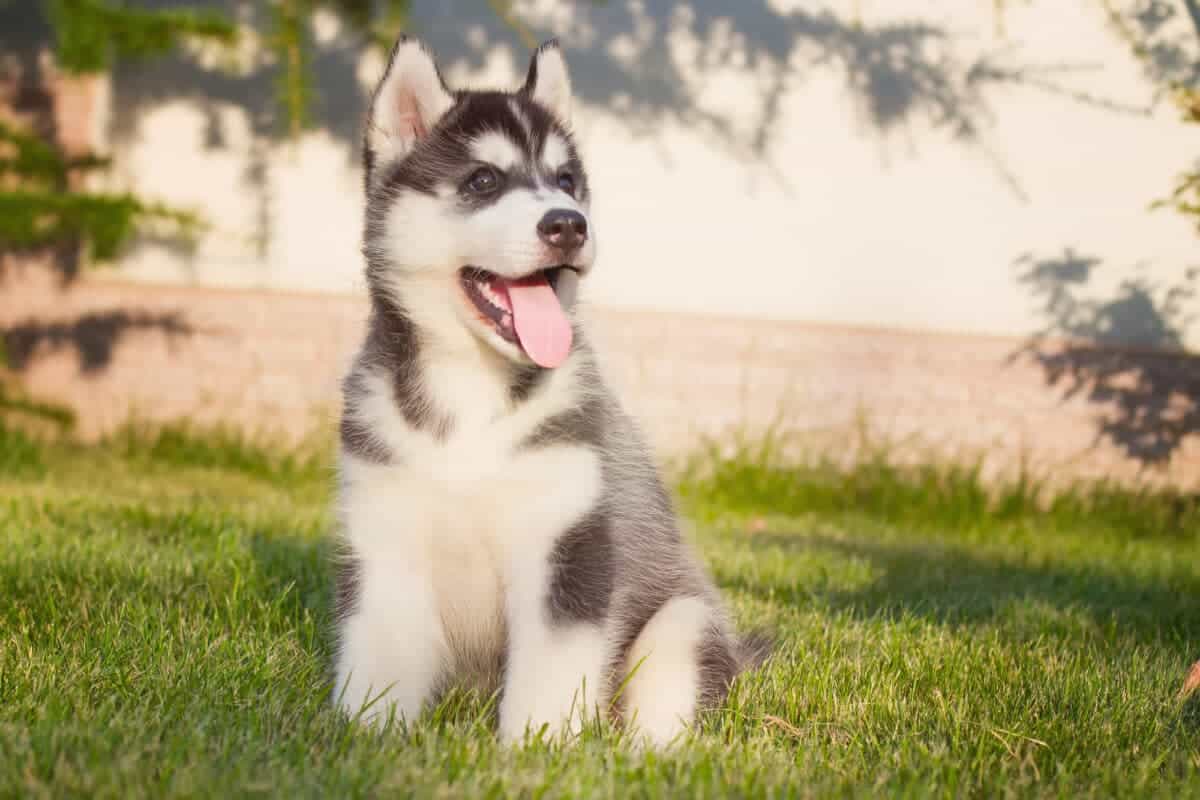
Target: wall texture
(901,163)
(272,361)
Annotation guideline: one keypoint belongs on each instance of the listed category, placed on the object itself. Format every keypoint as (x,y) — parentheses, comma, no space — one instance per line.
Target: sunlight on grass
(164,630)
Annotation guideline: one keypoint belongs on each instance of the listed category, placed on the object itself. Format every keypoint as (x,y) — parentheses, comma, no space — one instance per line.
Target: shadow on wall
(623,56)
(627,57)
(648,62)
(93,337)
(1124,353)
(25,96)
(1168,34)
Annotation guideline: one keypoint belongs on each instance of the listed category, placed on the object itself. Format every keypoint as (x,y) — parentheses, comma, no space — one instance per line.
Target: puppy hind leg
(666,671)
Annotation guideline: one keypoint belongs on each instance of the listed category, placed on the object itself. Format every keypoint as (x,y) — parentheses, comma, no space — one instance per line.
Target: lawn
(164,631)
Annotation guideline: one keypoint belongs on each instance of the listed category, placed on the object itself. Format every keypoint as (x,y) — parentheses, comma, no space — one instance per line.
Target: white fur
(501,238)
(409,102)
(555,153)
(448,563)
(393,647)
(661,695)
(555,676)
(496,149)
(427,244)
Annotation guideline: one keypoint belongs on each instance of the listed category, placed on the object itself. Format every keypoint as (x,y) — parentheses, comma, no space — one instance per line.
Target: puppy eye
(483,181)
(566,182)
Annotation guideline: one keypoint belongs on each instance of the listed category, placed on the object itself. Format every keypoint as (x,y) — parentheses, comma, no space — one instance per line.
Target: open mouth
(525,311)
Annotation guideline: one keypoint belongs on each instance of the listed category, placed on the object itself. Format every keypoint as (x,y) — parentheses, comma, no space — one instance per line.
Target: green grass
(165,601)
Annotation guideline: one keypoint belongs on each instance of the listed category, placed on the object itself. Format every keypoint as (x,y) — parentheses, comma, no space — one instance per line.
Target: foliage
(289,41)
(48,208)
(292,44)
(1175,65)
(42,210)
(28,158)
(92,34)
(1186,196)
(39,219)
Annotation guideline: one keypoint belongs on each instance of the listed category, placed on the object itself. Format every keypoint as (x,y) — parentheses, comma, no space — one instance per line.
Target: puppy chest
(468,579)
(474,531)
(517,501)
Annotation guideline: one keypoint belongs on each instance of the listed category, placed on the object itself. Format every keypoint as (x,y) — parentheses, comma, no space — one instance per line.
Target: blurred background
(967,228)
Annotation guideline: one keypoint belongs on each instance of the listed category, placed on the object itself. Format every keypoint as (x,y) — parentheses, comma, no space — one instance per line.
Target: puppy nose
(563,229)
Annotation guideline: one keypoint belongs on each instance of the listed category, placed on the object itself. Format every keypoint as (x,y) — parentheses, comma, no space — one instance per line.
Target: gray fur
(392,348)
(583,576)
(631,543)
(525,380)
(357,437)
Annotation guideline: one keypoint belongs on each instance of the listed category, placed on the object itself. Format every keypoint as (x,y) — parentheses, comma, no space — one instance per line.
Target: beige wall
(879,162)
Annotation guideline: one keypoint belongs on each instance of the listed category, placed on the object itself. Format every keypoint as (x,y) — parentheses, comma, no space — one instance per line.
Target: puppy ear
(548,82)
(408,102)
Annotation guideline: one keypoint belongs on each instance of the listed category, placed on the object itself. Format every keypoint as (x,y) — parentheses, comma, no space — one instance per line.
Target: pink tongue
(538,318)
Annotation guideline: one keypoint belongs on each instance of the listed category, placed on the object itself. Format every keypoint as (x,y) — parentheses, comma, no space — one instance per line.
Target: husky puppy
(503,524)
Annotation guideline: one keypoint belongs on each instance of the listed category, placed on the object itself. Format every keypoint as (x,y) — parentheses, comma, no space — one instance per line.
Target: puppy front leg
(556,662)
(392,648)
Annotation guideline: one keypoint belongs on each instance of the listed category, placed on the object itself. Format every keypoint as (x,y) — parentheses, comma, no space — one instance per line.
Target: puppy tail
(754,648)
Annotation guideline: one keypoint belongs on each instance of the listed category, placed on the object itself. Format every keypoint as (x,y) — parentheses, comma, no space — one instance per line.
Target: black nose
(563,229)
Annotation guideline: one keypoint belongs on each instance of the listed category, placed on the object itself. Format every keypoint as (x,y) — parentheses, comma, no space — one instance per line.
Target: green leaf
(91,34)
(31,219)
(32,160)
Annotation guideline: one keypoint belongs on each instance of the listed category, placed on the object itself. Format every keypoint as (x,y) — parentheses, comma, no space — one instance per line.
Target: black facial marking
(415,172)
(517,178)
(443,156)
(482,113)
(484,180)
(566,181)
(582,571)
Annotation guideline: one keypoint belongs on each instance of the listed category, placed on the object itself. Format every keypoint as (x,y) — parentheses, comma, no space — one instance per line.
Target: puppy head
(477,203)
